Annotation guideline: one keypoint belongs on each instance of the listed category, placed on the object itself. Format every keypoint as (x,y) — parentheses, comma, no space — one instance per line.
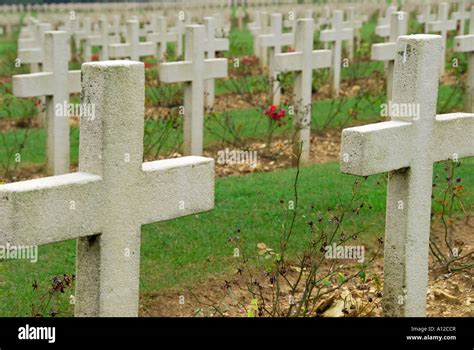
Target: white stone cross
(240,15)
(104,204)
(274,42)
(133,48)
(179,29)
(406,147)
(336,34)
(211,46)
(34,56)
(161,37)
(383,26)
(465,43)
(426,16)
(260,26)
(56,83)
(442,25)
(222,27)
(84,32)
(29,40)
(461,15)
(303,60)
(387,52)
(194,70)
(102,40)
(355,24)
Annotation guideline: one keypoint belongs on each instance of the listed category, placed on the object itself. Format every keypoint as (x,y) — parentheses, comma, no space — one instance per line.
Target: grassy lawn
(189,250)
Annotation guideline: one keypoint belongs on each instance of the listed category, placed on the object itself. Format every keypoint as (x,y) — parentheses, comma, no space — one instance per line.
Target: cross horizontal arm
(95,40)
(438,26)
(146,49)
(288,62)
(177,187)
(50,209)
(464,43)
(456,133)
(30,56)
(268,40)
(219,45)
(215,68)
(376,148)
(321,59)
(119,50)
(27,43)
(32,85)
(384,52)
(332,35)
(157,37)
(175,72)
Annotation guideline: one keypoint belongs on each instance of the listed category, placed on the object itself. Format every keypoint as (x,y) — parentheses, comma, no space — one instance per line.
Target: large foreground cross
(465,43)
(193,71)
(406,147)
(56,83)
(112,195)
(303,61)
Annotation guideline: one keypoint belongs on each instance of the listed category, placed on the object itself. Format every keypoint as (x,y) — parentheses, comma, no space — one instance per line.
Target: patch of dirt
(449,78)
(26,172)
(5,80)
(20,123)
(449,294)
(233,101)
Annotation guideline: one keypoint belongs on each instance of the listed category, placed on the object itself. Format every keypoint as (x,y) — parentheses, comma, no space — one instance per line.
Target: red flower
(274,114)
(148,65)
(290,49)
(95,57)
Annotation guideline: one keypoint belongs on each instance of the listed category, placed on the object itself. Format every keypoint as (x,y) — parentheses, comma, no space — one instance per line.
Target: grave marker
(383,26)
(274,42)
(426,16)
(337,34)
(161,37)
(442,25)
(102,40)
(303,61)
(104,204)
(56,83)
(211,46)
(193,71)
(465,43)
(34,56)
(133,48)
(387,52)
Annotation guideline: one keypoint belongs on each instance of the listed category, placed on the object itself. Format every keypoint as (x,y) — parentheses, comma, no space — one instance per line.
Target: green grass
(185,251)
(189,250)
